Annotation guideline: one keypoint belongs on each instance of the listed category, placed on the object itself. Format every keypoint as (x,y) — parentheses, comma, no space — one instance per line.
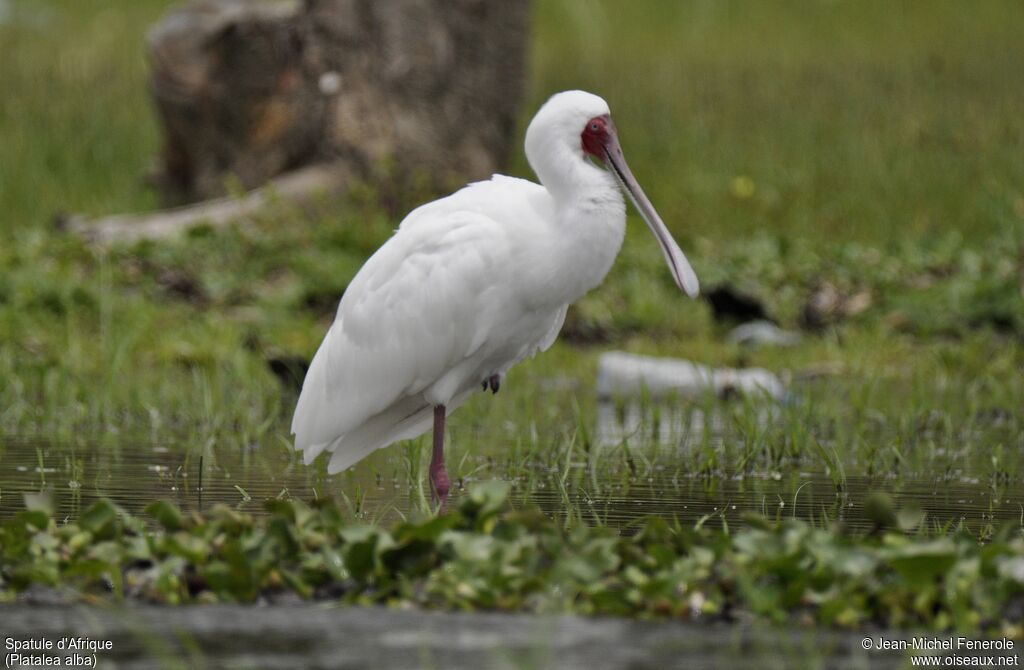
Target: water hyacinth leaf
(43,501)
(45,541)
(429,530)
(854,563)
(304,514)
(230,581)
(100,519)
(655,533)
(702,556)
(233,554)
(363,546)
(109,552)
(281,535)
(756,520)
(359,533)
(910,516)
(662,555)
(880,509)
(921,562)
(484,501)
(78,541)
(92,569)
(282,508)
(335,564)
(469,547)
(166,514)
(757,543)
(163,581)
(635,576)
(329,514)
(296,583)
(515,523)
(43,572)
(842,612)
(1011,568)
(33,520)
(189,547)
(601,552)
(589,563)
(361,559)
(764,597)
(781,571)
(229,519)
(416,545)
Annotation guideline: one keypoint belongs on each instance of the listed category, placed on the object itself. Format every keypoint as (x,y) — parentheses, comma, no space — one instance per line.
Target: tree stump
(412,90)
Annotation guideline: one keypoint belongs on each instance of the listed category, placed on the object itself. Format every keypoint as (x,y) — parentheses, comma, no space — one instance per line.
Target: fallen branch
(297,187)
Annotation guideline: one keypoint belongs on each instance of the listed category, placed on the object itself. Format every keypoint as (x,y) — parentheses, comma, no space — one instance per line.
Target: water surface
(687,464)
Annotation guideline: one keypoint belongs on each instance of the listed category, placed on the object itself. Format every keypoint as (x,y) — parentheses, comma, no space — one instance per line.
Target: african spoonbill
(471,284)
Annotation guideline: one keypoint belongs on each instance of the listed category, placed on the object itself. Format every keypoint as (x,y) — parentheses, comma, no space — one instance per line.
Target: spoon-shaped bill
(682,272)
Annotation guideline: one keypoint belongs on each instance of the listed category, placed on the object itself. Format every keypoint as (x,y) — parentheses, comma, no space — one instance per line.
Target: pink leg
(438,475)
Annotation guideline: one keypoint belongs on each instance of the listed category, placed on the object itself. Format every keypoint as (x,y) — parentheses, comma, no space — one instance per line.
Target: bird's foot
(440,485)
(494,382)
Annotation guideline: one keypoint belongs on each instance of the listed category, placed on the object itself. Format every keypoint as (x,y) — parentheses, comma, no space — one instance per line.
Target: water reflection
(663,425)
(643,459)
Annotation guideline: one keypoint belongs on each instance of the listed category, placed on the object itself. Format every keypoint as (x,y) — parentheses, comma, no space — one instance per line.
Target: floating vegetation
(486,555)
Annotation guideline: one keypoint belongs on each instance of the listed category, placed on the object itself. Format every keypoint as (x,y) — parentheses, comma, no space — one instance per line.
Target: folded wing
(418,308)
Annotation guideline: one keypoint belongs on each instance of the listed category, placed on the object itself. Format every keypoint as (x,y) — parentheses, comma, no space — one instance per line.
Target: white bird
(471,284)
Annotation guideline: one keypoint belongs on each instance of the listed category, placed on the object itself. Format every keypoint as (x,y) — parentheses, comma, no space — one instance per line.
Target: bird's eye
(594,127)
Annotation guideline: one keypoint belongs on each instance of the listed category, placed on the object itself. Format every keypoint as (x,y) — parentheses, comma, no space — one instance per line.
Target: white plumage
(468,286)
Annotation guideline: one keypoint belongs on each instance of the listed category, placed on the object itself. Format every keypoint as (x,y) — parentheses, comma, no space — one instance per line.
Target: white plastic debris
(757,333)
(620,374)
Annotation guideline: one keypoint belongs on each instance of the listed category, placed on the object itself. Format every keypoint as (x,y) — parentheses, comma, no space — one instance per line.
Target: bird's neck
(589,222)
(589,229)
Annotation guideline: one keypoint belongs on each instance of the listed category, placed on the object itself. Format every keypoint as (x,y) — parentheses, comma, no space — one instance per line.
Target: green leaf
(100,519)
(33,519)
(485,500)
(166,514)
(282,508)
(43,501)
(880,509)
(922,562)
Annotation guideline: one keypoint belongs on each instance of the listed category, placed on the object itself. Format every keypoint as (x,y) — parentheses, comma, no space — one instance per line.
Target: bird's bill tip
(682,272)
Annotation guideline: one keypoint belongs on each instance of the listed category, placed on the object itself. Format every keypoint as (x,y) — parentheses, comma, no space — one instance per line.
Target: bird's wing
(418,307)
(552,334)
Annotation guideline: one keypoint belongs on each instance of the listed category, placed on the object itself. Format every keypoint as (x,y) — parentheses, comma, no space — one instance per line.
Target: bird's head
(574,125)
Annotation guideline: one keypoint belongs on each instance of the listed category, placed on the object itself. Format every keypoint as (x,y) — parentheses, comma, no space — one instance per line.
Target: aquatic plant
(484,554)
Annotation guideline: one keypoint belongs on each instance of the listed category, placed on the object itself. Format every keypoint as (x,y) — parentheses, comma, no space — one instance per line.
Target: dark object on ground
(408,90)
(182,285)
(584,328)
(828,305)
(732,306)
(322,300)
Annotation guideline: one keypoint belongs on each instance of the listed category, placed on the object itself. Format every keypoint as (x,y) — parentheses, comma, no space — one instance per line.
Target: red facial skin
(595,134)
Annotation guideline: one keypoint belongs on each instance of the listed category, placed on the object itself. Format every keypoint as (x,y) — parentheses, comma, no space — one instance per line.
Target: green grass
(854,121)
(879,149)
(76,127)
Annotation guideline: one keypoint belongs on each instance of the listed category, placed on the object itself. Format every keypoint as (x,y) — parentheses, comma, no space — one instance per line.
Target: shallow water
(641,461)
(313,636)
